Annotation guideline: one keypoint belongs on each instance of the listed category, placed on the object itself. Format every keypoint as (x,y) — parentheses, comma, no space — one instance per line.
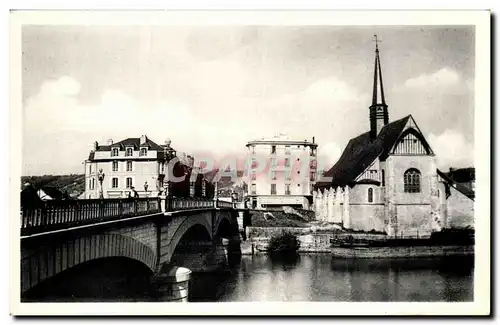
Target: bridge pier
(172,284)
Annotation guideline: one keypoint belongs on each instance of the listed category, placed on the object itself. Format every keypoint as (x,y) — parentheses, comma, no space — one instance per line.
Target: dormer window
(143,152)
(114,152)
(129,152)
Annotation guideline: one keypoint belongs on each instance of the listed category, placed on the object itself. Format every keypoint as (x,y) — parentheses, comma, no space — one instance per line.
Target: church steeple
(379,115)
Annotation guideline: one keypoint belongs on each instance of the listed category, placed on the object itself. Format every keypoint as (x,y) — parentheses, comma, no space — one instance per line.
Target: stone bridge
(169,238)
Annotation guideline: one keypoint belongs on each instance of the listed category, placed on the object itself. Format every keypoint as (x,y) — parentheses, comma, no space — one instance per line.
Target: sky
(211,89)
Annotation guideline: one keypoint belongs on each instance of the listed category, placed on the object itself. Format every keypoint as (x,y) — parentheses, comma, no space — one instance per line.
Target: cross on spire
(376,40)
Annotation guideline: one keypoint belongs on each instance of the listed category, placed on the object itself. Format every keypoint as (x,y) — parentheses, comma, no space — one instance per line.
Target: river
(319,277)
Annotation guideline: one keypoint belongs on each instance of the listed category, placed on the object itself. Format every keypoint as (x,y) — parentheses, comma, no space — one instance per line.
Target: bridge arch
(223,224)
(197,224)
(39,264)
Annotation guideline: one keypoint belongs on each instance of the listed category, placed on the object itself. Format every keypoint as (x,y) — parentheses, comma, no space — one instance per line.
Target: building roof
(282,139)
(459,187)
(131,142)
(462,175)
(361,152)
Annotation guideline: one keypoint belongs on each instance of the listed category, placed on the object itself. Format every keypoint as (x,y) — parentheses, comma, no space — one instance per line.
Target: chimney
(110,142)
(143,139)
(313,139)
(167,143)
(96,145)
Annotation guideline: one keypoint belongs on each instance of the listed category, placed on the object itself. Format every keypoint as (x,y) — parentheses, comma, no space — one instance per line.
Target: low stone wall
(402,252)
(314,239)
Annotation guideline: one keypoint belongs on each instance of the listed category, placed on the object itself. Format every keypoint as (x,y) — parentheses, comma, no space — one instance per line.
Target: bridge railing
(186,203)
(57,214)
(61,214)
(224,204)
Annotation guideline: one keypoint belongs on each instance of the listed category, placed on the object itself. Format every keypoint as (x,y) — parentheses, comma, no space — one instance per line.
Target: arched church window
(412,181)
(383,177)
(370,195)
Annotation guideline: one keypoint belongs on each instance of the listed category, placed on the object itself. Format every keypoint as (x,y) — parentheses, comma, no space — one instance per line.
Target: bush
(284,243)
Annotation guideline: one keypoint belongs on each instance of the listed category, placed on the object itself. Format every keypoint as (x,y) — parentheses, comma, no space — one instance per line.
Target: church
(386,179)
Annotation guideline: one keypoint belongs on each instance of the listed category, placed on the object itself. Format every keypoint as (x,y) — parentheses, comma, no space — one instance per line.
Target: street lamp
(146,188)
(100,177)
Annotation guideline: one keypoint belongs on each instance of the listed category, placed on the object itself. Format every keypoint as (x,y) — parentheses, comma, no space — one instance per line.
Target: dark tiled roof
(459,187)
(360,153)
(54,193)
(130,142)
(462,175)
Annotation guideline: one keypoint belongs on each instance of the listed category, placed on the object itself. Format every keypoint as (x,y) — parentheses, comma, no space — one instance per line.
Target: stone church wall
(414,220)
(460,210)
(367,217)
(359,194)
(427,168)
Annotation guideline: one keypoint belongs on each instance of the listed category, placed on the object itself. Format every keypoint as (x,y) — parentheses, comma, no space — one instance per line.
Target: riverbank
(320,241)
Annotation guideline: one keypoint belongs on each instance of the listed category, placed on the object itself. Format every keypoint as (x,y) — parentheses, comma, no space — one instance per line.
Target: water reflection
(322,278)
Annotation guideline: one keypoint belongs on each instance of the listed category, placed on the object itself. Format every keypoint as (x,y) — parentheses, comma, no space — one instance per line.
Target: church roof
(360,153)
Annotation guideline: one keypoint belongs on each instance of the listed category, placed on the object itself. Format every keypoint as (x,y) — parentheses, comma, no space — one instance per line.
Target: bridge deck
(61,214)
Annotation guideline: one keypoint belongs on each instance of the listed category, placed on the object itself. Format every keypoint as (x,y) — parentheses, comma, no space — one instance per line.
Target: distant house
(33,196)
(463,176)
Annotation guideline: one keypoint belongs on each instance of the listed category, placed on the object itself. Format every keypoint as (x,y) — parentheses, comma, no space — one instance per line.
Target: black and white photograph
(176,160)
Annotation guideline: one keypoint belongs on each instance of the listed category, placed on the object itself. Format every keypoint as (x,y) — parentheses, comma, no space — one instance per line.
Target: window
(273,149)
(312,176)
(412,181)
(129,182)
(273,175)
(254,189)
(254,163)
(253,176)
(288,176)
(287,149)
(143,152)
(114,183)
(287,162)
(129,152)
(370,195)
(273,189)
(273,162)
(129,166)
(115,166)
(383,177)
(90,168)
(93,183)
(287,189)
(114,152)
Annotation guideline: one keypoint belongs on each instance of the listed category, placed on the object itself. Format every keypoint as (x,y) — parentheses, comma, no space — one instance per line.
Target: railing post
(101,209)
(163,203)
(120,208)
(43,216)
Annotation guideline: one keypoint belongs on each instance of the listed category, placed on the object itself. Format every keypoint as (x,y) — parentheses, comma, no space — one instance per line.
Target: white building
(133,162)
(281,172)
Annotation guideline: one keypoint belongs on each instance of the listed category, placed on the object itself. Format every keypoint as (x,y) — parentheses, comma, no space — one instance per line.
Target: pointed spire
(377,76)
(379,115)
